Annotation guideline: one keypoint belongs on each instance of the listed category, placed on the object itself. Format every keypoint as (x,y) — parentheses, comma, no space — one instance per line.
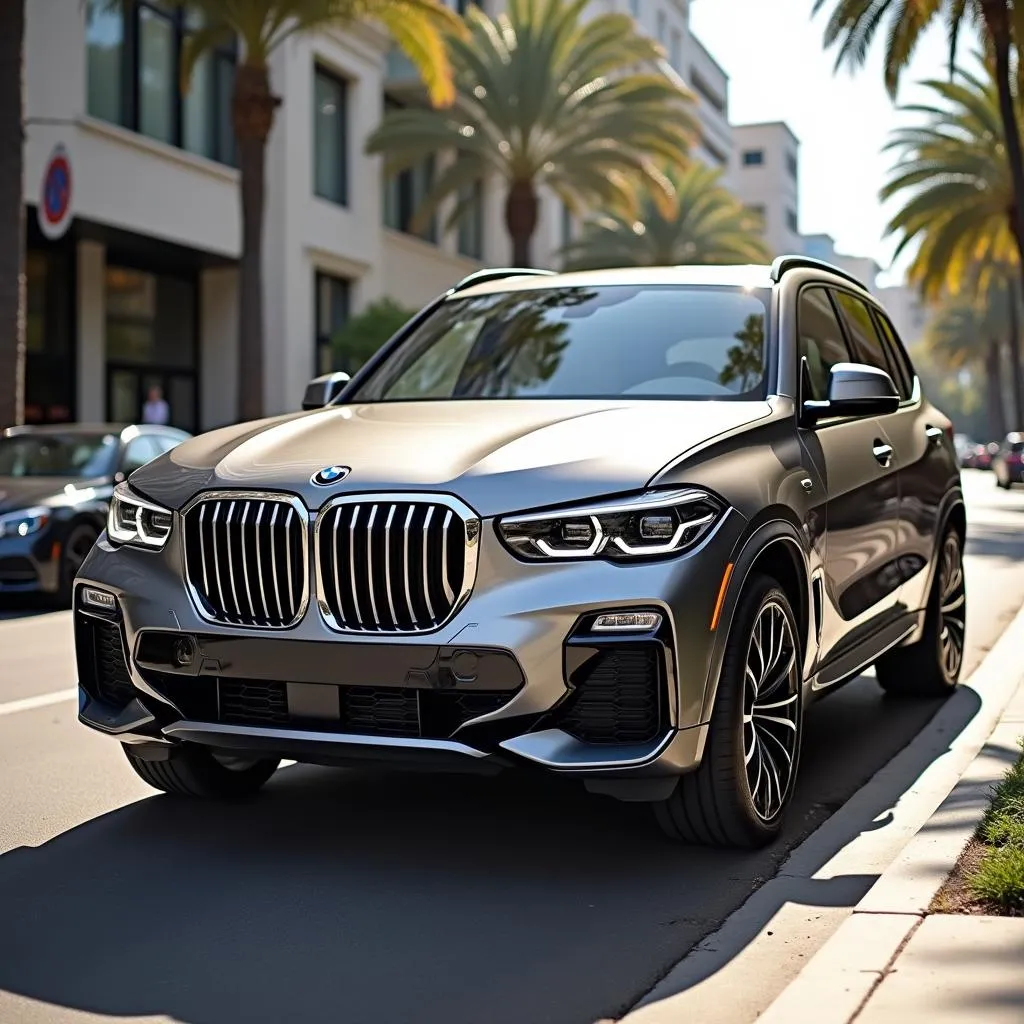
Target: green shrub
(366,332)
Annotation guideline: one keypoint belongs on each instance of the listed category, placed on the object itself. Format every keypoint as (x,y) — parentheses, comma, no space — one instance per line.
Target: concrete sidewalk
(893,960)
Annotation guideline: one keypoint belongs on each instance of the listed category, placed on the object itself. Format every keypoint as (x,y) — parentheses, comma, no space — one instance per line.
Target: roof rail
(497,274)
(783,263)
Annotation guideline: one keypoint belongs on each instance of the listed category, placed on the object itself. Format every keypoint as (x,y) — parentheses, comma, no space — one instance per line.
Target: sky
(778,71)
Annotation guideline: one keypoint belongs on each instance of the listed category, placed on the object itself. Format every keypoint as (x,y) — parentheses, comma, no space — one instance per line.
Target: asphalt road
(349,897)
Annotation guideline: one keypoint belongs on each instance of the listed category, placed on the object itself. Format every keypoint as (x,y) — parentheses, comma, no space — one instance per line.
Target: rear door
(860,491)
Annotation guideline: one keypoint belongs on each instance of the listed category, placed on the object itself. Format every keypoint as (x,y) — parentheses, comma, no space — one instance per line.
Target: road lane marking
(12,707)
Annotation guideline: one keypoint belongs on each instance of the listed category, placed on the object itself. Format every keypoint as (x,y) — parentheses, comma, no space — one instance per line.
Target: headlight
(24,523)
(131,520)
(651,525)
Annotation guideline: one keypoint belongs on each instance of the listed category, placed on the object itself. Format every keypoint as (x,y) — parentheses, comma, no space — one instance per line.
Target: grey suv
(620,525)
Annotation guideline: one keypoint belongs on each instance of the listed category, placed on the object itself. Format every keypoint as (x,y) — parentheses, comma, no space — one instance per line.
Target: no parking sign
(54,209)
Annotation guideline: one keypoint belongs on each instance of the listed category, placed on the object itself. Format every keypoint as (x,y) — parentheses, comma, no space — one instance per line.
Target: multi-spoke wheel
(739,793)
(771,711)
(931,667)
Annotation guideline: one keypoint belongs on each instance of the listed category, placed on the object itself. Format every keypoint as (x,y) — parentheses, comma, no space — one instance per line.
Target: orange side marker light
(726,576)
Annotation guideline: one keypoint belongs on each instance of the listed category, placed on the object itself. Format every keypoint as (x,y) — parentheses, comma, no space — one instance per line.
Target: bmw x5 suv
(619,525)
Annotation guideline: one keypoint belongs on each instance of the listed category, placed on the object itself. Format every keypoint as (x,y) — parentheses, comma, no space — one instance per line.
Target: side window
(821,341)
(865,336)
(165,442)
(898,355)
(139,452)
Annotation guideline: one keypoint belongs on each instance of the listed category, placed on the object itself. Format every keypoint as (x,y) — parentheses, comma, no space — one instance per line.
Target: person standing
(156,410)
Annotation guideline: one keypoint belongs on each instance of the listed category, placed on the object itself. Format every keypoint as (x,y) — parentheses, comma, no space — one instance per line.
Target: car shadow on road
(395,898)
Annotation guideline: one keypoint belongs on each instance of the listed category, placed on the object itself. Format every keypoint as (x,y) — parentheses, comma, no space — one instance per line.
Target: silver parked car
(620,525)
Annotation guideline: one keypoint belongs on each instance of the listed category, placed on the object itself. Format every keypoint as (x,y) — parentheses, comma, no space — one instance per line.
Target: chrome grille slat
(246,558)
(394,563)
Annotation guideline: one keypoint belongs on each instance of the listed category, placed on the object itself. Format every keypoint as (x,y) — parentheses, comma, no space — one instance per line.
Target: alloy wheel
(952,607)
(771,710)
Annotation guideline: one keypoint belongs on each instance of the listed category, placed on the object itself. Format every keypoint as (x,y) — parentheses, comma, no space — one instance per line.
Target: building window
(471,222)
(661,27)
(791,165)
(566,224)
(708,94)
(333,302)
(753,157)
(718,155)
(403,194)
(49,349)
(676,50)
(151,342)
(330,155)
(133,59)
(791,221)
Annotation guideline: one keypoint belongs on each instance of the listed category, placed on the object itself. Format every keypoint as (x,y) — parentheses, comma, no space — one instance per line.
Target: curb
(821,891)
(840,979)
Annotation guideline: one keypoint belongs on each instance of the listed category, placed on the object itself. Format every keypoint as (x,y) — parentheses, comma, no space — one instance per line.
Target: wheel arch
(776,548)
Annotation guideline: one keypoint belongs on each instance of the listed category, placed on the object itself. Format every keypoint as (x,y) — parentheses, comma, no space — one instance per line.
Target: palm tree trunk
(253,108)
(1016,380)
(993,381)
(12,212)
(997,23)
(521,214)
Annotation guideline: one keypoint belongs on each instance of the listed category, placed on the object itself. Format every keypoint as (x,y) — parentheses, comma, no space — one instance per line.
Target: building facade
(764,173)
(131,190)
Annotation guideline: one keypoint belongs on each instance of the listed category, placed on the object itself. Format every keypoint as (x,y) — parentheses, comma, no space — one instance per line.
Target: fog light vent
(627,622)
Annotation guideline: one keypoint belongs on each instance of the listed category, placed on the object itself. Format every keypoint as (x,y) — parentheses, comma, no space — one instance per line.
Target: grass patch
(998,878)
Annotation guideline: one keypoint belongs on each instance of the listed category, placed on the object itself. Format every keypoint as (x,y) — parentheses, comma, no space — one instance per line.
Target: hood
(18,492)
(497,456)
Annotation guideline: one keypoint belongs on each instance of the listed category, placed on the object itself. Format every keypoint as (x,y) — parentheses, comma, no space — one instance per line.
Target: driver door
(858,481)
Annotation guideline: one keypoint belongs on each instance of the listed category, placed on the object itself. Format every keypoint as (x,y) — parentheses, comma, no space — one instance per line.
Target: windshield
(77,455)
(613,341)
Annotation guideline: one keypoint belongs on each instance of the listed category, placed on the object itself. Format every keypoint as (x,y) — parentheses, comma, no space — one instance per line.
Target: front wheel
(738,795)
(196,772)
(931,667)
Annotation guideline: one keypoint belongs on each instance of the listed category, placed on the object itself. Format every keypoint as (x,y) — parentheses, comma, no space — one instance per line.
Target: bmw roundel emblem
(330,475)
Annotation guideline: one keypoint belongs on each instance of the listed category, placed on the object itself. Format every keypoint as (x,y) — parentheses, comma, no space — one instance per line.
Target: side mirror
(321,391)
(854,389)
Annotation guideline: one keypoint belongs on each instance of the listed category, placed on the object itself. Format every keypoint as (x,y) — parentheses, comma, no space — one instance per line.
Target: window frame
(746,161)
(826,287)
(321,71)
(322,342)
(130,73)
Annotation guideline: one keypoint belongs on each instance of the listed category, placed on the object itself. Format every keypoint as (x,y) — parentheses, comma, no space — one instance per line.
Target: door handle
(934,434)
(882,453)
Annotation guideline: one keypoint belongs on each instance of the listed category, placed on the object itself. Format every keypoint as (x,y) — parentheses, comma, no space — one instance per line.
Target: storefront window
(332,309)
(151,342)
(49,364)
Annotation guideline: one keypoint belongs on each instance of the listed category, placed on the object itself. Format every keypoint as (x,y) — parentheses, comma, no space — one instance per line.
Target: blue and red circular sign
(55,200)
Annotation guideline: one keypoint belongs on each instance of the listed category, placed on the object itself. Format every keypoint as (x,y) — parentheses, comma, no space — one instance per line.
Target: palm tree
(954,179)
(853,24)
(546,99)
(966,332)
(704,223)
(12,212)
(418,27)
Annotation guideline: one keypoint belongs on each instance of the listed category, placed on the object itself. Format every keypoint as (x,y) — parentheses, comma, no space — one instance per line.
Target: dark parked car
(1008,462)
(55,487)
(621,525)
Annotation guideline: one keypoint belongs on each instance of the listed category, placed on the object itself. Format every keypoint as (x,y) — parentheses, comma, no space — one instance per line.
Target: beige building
(764,172)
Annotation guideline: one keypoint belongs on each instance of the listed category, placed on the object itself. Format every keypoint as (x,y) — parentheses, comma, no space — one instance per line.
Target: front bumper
(518,677)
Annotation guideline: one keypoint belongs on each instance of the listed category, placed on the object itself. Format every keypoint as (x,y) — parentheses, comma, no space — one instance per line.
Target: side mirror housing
(323,390)
(854,389)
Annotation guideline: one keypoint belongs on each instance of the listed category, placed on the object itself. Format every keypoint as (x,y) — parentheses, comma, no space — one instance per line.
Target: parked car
(55,487)
(978,456)
(620,525)
(965,448)
(1008,462)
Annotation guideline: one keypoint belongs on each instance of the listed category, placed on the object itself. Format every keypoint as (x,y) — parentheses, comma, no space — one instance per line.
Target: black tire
(718,804)
(195,772)
(931,666)
(77,544)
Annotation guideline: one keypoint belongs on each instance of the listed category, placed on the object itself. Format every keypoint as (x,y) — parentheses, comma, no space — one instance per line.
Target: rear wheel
(931,667)
(738,795)
(196,772)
